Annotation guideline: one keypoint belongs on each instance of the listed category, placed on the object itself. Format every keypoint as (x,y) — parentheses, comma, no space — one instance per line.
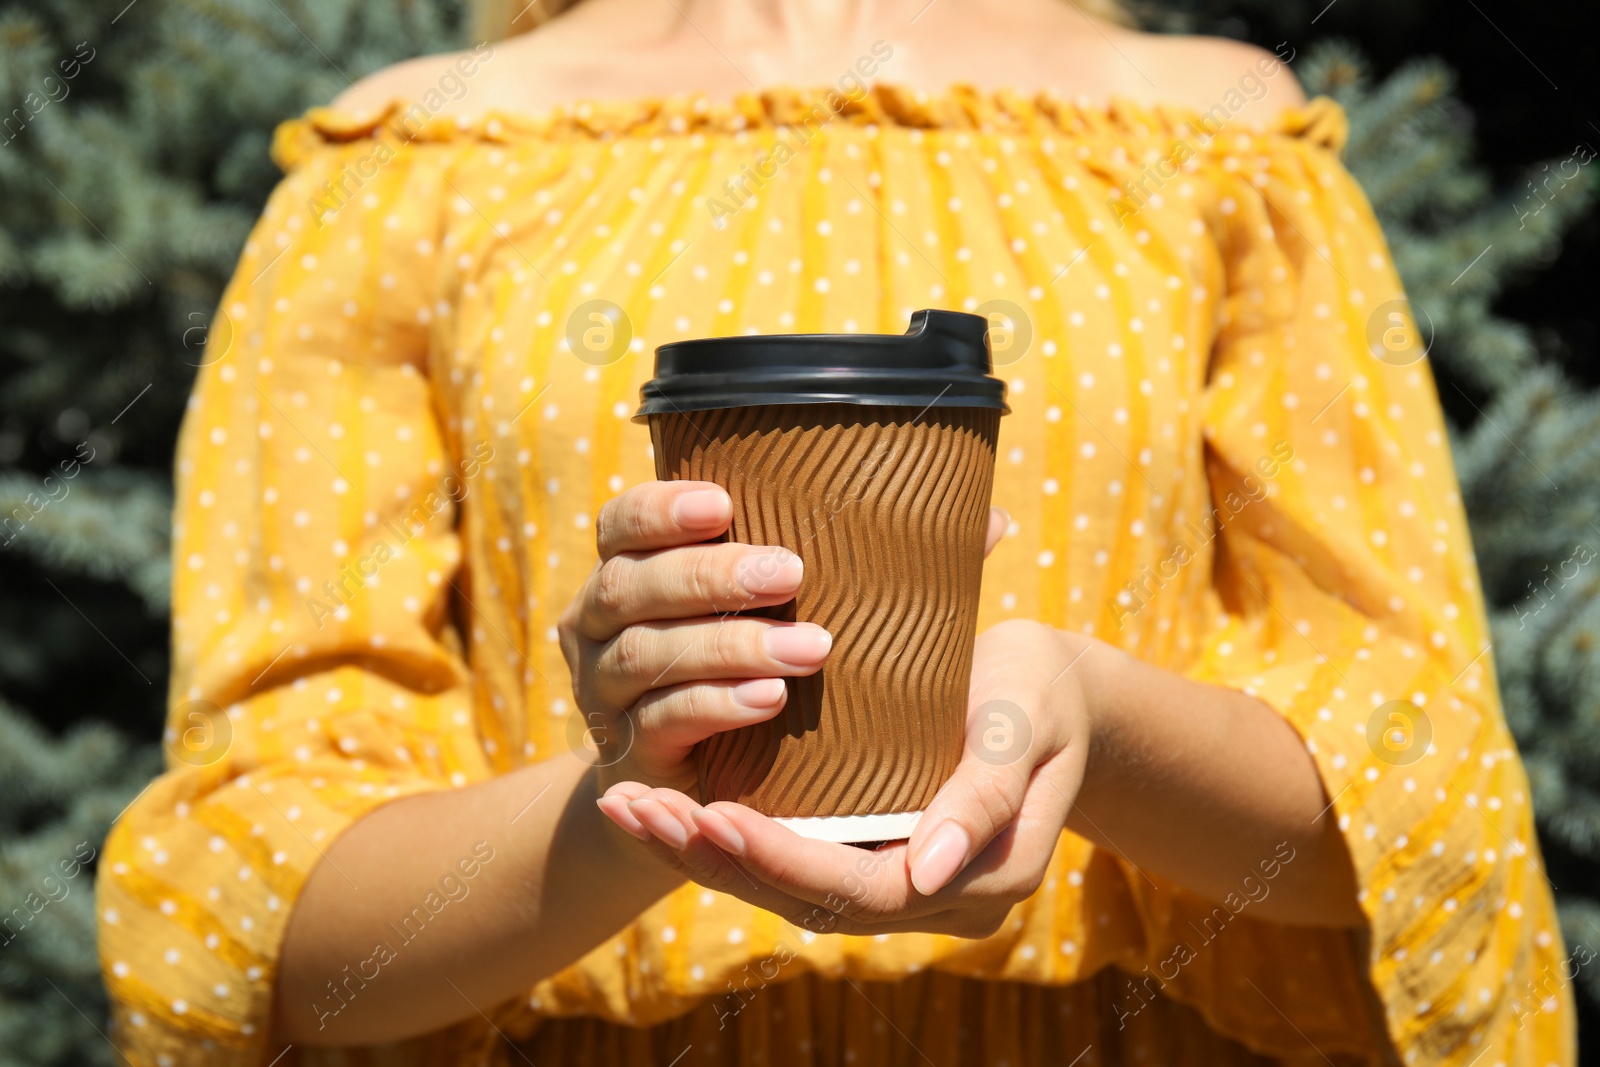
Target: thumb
(980,800)
(999,522)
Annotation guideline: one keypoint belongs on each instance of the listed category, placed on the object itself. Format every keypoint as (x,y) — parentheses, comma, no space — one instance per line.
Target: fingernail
(760,694)
(659,821)
(719,830)
(778,571)
(800,645)
(702,509)
(940,859)
(616,809)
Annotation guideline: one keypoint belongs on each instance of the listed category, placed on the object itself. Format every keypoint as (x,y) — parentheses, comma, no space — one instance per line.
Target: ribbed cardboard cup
(887,504)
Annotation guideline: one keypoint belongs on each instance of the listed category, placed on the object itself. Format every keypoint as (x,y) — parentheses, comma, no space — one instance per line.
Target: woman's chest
(568,272)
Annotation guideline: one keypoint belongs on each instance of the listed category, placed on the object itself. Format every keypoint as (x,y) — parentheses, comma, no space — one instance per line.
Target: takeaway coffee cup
(872,458)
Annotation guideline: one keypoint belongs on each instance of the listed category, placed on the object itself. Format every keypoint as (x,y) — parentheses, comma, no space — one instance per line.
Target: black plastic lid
(941,361)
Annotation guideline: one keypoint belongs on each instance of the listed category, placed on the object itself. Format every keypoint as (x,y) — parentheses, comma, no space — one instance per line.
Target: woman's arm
(1203,784)
(559,879)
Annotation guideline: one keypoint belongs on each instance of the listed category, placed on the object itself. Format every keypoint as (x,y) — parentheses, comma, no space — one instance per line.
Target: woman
(1269,810)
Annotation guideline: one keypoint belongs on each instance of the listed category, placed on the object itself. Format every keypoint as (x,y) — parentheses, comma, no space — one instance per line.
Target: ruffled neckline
(962,107)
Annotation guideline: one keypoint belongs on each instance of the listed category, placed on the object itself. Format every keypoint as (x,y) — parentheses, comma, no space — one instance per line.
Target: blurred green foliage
(133,155)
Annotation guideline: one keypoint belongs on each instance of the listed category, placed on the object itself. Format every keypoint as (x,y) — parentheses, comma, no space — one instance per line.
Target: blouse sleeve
(1345,596)
(316,671)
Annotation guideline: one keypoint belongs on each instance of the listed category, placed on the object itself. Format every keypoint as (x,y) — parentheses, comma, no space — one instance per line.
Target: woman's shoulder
(450,74)
(490,76)
(1201,73)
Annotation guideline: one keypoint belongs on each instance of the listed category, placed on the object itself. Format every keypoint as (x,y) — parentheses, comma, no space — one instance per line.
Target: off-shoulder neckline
(1320,121)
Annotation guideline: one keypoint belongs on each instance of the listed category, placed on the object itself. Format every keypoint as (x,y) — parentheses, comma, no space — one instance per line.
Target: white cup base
(848,829)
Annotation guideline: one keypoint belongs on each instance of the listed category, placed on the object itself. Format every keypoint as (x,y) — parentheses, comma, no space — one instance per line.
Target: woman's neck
(804,25)
(793,27)
(725,46)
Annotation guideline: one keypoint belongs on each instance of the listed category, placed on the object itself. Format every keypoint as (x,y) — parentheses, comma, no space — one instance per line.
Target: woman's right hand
(659,659)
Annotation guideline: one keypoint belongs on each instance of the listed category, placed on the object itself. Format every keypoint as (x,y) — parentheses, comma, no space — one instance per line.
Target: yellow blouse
(391,464)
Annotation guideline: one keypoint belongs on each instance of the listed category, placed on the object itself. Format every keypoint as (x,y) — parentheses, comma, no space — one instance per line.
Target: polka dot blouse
(1220,458)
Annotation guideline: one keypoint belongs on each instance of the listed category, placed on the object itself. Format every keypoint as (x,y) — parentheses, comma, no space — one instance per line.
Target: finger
(645,818)
(1005,864)
(727,869)
(616,809)
(710,860)
(661,821)
(863,886)
(681,716)
(653,655)
(681,583)
(640,810)
(662,515)
(979,802)
(999,523)
(667,816)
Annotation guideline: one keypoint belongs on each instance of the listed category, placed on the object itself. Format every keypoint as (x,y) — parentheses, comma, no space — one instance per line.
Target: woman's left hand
(982,845)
